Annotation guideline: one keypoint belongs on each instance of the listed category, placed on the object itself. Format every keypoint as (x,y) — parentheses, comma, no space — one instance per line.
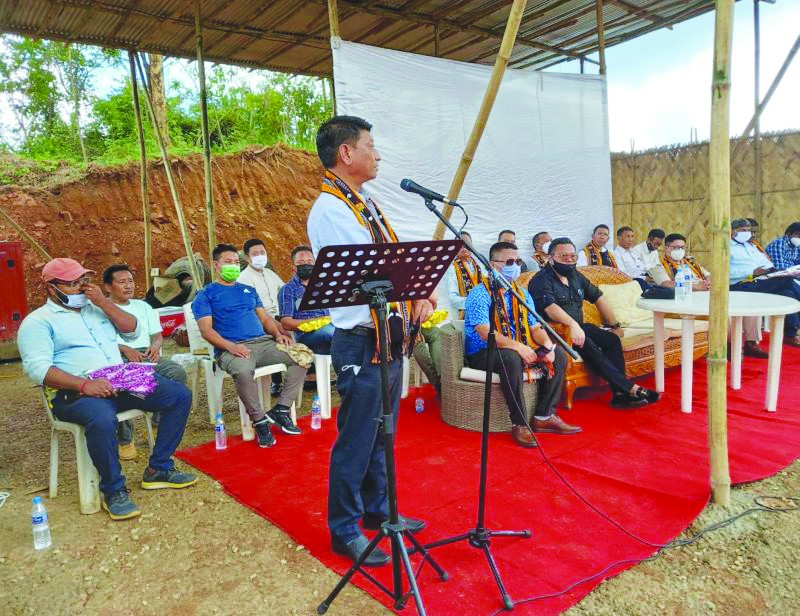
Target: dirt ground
(200,552)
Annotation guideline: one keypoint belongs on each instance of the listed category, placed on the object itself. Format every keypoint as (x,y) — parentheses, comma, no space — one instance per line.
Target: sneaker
(120,506)
(127,451)
(280,415)
(156,480)
(263,432)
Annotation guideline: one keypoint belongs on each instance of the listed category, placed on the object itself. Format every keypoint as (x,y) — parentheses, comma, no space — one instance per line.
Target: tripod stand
(368,273)
(480,537)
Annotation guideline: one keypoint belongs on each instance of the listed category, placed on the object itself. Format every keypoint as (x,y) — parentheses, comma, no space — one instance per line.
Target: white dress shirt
(629,263)
(648,257)
(266,283)
(745,259)
(455,299)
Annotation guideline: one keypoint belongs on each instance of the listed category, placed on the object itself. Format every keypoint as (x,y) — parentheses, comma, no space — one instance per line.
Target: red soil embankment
(264,193)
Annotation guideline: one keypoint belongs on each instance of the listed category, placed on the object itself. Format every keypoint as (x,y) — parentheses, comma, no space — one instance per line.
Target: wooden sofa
(638,343)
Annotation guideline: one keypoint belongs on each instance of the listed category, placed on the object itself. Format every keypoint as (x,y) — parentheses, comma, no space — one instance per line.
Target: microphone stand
(480,537)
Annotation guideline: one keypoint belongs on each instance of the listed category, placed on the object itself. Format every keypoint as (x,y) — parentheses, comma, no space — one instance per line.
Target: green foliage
(50,86)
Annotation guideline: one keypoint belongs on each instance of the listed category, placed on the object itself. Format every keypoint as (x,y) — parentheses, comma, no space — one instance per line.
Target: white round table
(740,304)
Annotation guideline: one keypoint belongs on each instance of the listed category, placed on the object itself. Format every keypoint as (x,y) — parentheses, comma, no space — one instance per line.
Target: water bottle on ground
(220,435)
(419,405)
(316,413)
(41,526)
(680,285)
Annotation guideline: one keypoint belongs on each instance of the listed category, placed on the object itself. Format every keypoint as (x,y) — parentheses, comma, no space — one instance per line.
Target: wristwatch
(614,325)
(542,351)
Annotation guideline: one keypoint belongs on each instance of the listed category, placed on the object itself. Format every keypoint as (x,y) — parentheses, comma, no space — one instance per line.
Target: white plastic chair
(88,477)
(215,377)
(322,368)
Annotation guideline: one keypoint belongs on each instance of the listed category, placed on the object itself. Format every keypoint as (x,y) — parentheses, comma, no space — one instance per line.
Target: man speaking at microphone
(344,213)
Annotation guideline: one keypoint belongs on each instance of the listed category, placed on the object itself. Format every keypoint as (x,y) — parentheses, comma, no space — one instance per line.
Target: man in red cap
(75,333)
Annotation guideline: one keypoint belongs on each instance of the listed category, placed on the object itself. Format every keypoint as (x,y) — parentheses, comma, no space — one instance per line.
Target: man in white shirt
(627,260)
(596,252)
(647,251)
(345,213)
(146,347)
(257,275)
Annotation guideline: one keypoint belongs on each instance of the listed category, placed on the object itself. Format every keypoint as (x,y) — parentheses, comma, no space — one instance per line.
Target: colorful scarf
(541,258)
(594,256)
(381,233)
(671,266)
(760,248)
(467,279)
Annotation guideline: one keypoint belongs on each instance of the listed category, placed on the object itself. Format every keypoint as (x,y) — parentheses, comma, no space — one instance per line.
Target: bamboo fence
(668,188)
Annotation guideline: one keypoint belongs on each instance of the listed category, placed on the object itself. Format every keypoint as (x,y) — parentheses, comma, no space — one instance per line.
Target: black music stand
(376,274)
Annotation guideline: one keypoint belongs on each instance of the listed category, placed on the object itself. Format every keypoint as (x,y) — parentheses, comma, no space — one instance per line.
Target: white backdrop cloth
(543,162)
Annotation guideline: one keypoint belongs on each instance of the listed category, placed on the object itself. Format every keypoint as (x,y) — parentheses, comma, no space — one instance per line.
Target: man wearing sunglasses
(560,290)
(75,333)
(522,348)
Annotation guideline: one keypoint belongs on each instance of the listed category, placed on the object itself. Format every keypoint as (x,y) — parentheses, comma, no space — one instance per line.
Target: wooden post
(757,210)
(436,50)
(719,197)
(24,235)
(187,242)
(137,111)
(503,55)
(601,36)
(333,18)
(211,222)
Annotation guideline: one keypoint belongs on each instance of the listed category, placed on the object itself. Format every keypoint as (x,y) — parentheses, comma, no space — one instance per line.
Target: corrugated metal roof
(293,36)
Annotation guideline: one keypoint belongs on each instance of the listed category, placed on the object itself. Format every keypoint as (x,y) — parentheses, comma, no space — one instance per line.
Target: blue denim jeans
(357,477)
(99,418)
(318,341)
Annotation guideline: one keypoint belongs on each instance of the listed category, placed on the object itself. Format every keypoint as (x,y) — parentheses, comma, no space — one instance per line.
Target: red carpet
(646,469)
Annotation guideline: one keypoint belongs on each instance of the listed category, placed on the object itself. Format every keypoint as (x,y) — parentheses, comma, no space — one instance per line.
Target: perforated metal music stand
(376,274)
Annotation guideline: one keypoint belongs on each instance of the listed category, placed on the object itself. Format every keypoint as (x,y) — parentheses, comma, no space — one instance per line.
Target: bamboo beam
(137,111)
(719,196)
(211,221)
(773,86)
(333,18)
(757,126)
(176,200)
(601,36)
(506,47)
(24,235)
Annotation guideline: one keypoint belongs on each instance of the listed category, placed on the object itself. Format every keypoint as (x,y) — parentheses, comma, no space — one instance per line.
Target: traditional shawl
(760,248)
(541,258)
(671,266)
(381,233)
(595,256)
(466,279)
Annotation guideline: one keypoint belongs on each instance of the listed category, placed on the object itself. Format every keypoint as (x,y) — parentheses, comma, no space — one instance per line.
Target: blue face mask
(511,272)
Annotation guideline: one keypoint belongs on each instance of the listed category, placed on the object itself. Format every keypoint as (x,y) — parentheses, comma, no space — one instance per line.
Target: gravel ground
(200,552)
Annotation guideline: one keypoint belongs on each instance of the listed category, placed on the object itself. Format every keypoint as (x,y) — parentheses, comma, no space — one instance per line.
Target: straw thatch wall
(668,188)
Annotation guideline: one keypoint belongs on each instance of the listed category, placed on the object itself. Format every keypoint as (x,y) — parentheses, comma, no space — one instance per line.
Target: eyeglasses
(73,284)
(506,262)
(567,257)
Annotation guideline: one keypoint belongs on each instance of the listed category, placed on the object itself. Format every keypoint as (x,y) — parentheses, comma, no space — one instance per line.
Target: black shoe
(280,415)
(263,433)
(373,522)
(626,401)
(648,395)
(354,548)
(275,389)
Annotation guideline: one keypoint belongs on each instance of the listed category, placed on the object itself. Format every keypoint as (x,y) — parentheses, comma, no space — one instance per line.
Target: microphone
(412,187)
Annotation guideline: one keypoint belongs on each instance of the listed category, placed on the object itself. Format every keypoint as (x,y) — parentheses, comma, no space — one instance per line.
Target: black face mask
(304,271)
(564,269)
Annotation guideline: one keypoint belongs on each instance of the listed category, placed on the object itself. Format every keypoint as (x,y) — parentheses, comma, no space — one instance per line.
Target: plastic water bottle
(419,405)
(41,526)
(220,435)
(316,413)
(681,294)
(688,279)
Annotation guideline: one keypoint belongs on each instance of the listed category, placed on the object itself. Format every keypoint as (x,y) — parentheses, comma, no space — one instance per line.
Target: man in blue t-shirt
(522,346)
(232,319)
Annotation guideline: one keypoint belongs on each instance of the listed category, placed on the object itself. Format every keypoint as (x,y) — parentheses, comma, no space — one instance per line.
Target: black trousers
(777,286)
(602,352)
(508,364)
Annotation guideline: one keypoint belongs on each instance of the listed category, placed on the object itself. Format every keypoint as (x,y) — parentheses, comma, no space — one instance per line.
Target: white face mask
(546,247)
(77,301)
(259,261)
(743,236)
(795,242)
(678,254)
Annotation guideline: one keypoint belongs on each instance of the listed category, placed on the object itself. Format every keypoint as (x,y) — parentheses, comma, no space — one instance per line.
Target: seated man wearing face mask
(784,252)
(289,298)
(747,263)
(521,344)
(257,275)
(232,319)
(541,242)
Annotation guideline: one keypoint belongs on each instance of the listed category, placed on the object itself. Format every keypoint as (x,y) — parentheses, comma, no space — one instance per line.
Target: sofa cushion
(623,298)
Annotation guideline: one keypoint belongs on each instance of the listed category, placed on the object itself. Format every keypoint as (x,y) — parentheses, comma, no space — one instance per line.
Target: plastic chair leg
(322,366)
(248,432)
(88,477)
(53,463)
(195,383)
(148,422)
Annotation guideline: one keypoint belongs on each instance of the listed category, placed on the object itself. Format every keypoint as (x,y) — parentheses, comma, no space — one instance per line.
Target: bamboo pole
(757,114)
(211,222)
(333,18)
(137,111)
(176,200)
(719,196)
(503,55)
(601,36)
(24,235)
